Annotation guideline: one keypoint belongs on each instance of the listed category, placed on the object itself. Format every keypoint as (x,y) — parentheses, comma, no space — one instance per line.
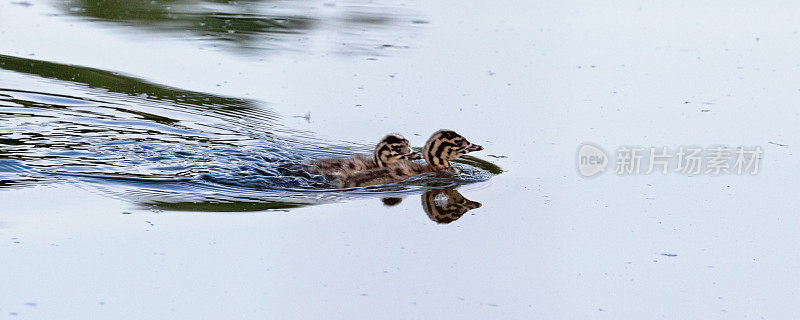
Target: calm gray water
(148,154)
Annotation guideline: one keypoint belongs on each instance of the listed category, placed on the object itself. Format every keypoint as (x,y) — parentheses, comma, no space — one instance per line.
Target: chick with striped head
(442,147)
(390,149)
(446,145)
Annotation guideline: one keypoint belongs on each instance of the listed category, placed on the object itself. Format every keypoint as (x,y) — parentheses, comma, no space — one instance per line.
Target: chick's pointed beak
(472,204)
(412,156)
(474,147)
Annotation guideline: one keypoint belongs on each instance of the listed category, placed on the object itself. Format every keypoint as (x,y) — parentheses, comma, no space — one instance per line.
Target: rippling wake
(162,146)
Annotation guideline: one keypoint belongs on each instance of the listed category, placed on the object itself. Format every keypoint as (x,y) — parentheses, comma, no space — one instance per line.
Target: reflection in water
(168,148)
(391,201)
(446,205)
(350,26)
(441,205)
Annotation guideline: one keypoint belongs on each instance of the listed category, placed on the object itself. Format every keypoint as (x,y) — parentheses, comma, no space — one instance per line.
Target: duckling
(445,206)
(392,148)
(442,146)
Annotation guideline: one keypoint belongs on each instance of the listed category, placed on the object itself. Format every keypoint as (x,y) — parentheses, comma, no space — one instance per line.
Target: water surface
(145,151)
(170,148)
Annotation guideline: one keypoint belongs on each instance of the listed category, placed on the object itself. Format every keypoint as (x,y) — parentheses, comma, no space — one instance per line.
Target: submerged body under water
(179,150)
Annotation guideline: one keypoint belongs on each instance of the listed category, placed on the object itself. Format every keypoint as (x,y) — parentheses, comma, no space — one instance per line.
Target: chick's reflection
(391,201)
(446,205)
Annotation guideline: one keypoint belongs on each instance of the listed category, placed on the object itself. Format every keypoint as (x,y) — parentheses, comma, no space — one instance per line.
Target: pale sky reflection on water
(516,78)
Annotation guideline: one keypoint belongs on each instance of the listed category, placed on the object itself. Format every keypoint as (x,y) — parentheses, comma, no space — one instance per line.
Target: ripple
(170,148)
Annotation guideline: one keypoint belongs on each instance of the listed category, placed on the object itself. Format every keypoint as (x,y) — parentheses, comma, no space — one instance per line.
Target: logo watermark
(591,160)
(687,160)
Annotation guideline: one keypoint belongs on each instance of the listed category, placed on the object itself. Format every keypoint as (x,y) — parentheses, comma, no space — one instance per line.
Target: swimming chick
(442,146)
(392,148)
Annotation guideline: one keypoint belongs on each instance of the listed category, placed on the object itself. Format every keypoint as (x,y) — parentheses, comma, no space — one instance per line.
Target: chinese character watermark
(687,160)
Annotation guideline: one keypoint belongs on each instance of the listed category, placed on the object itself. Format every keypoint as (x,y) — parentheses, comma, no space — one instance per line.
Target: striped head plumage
(446,145)
(393,148)
(445,206)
